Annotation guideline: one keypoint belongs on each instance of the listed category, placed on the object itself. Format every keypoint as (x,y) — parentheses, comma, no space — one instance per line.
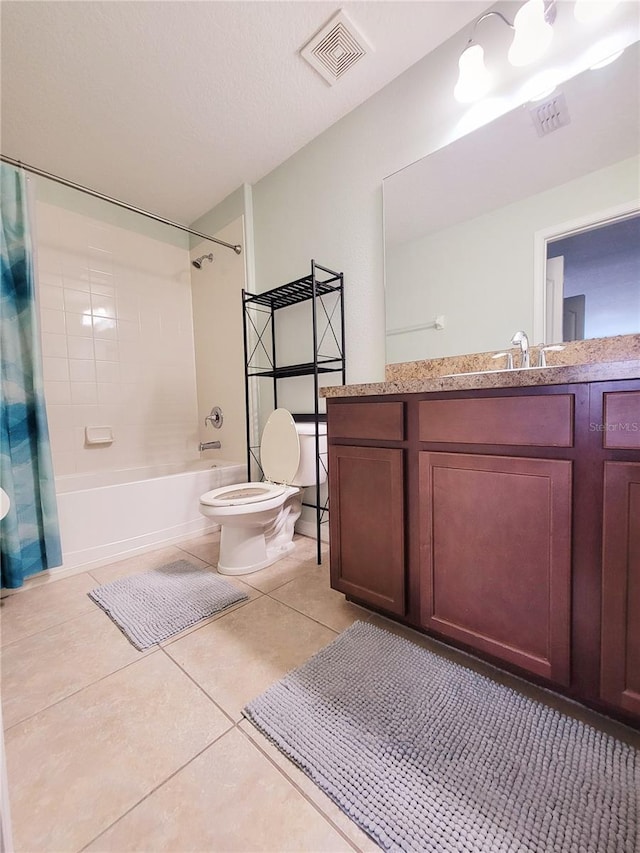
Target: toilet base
(271,558)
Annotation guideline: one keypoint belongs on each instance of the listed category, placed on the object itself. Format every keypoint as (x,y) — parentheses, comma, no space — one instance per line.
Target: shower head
(198,261)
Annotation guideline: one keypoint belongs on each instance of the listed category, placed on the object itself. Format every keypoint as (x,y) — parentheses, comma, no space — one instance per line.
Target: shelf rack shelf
(324,289)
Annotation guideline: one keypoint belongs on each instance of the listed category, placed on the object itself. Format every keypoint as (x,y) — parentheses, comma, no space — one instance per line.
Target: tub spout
(209,445)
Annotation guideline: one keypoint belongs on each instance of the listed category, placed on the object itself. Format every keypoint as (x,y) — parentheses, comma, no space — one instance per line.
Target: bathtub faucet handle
(214,417)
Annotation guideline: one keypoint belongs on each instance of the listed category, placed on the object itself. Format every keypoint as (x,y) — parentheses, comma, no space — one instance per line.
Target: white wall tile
(50,296)
(103,283)
(79,325)
(106,350)
(82,370)
(52,321)
(80,347)
(86,415)
(107,371)
(126,329)
(109,393)
(103,306)
(64,463)
(104,328)
(57,393)
(77,301)
(84,393)
(55,369)
(54,345)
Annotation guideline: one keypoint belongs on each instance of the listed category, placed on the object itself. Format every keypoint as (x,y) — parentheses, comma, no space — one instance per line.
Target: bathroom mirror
(463,225)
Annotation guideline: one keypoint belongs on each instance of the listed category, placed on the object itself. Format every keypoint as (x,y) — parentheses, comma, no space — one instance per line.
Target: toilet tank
(306,473)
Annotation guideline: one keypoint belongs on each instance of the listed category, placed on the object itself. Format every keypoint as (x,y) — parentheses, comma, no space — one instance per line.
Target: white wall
(325,202)
(217,322)
(117,338)
(479,273)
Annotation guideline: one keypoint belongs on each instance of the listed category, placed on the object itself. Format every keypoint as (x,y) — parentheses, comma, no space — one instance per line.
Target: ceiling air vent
(550,115)
(335,48)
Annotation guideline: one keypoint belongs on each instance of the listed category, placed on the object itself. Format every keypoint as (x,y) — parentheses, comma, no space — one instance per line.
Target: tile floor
(111,749)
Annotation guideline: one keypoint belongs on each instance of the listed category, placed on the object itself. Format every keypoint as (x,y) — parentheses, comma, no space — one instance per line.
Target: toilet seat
(240,494)
(279,457)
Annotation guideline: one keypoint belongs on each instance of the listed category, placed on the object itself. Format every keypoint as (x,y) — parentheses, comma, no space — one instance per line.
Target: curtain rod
(18,164)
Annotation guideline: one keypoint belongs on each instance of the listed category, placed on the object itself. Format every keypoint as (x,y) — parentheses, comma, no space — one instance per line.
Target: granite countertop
(554,375)
(591,360)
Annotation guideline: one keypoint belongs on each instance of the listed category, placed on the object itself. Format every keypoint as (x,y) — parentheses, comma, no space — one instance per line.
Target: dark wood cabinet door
(620,660)
(495,554)
(366,496)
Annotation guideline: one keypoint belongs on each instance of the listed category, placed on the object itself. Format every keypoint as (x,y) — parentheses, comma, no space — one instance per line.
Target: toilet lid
(280,447)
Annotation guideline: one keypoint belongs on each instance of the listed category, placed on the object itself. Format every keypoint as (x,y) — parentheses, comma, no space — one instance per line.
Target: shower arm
(65,183)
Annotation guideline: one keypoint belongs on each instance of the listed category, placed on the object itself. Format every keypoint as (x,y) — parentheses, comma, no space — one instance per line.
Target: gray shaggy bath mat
(152,606)
(426,755)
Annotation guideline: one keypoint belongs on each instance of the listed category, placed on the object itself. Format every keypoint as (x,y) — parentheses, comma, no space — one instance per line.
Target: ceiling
(170,106)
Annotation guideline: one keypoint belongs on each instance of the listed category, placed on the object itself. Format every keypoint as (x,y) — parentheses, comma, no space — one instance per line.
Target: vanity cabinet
(366,494)
(620,657)
(495,570)
(620,670)
(505,521)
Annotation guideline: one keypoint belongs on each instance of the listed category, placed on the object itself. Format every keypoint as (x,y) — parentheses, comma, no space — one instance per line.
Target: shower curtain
(29,535)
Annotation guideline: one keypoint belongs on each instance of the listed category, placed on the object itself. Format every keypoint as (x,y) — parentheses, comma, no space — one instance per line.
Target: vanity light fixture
(590,11)
(533,33)
(474,80)
(532,36)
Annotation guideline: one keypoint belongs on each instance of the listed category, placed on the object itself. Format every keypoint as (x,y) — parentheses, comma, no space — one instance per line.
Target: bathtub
(113,514)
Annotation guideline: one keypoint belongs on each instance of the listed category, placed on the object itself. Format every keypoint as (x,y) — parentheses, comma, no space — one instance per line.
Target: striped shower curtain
(29,536)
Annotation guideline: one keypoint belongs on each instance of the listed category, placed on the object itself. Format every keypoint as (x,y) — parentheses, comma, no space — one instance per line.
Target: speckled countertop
(596,360)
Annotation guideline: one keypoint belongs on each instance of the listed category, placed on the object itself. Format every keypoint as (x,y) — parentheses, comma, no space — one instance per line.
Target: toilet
(258,519)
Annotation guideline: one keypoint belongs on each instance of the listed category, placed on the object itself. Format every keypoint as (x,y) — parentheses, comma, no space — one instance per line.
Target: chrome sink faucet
(520,339)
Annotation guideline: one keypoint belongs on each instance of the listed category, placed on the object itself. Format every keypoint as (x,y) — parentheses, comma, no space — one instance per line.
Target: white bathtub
(111,514)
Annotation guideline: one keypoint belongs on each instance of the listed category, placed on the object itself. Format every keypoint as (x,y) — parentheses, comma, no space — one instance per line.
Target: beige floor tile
(237,657)
(143,563)
(205,547)
(358,838)
(312,595)
(44,668)
(76,767)
(280,573)
(230,798)
(32,610)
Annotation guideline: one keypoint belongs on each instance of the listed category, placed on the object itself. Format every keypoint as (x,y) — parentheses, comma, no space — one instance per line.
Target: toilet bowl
(258,519)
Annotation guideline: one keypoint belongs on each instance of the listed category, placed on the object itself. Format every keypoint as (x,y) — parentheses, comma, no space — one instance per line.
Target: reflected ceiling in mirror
(461,224)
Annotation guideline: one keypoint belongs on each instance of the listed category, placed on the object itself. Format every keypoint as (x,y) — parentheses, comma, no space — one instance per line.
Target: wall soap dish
(98,435)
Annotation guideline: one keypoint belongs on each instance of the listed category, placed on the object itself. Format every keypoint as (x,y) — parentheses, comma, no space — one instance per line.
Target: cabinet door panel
(367,525)
(495,545)
(538,420)
(620,661)
(622,420)
(367,421)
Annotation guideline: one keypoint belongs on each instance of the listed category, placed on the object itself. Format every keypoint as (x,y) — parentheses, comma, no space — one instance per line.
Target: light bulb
(588,11)
(532,34)
(474,79)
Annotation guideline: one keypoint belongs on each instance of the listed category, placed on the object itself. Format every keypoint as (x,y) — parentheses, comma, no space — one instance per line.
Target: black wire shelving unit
(324,288)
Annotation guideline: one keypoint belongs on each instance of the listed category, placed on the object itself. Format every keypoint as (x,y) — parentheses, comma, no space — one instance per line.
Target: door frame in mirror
(556,232)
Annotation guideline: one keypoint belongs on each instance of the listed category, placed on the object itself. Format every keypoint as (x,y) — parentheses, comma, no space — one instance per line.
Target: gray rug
(426,755)
(152,606)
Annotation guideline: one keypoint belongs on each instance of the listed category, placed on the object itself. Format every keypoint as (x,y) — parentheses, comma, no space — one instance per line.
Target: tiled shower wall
(117,343)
